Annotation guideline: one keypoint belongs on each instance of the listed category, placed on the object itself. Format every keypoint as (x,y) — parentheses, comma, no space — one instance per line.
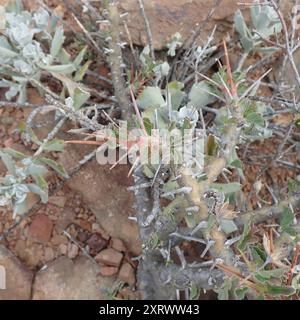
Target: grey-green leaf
(55,166)
(227,188)
(275,290)
(35,169)
(80,97)
(57,41)
(81,71)
(200,95)
(151,97)
(176,93)
(264,275)
(287,218)
(39,191)
(60,68)
(245,236)
(240,24)
(79,57)
(228,226)
(8,162)
(14,153)
(6,53)
(54,145)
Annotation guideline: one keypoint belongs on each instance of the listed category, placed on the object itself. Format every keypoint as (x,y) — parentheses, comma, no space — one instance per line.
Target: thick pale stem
(116,62)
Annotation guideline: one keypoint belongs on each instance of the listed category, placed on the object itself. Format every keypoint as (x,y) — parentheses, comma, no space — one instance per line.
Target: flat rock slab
(17,278)
(166,17)
(41,228)
(65,279)
(105,192)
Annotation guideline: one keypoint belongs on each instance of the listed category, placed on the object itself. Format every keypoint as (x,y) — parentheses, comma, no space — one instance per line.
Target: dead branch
(148,29)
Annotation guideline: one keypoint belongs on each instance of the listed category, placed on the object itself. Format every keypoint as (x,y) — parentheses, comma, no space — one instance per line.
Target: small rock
(108,271)
(49,254)
(72,250)
(20,247)
(82,236)
(16,137)
(17,278)
(128,294)
(117,244)
(65,218)
(77,210)
(92,219)
(72,230)
(23,224)
(127,274)
(58,201)
(95,227)
(110,256)
(59,239)
(41,228)
(66,279)
(63,249)
(7,120)
(31,253)
(96,243)
(84,224)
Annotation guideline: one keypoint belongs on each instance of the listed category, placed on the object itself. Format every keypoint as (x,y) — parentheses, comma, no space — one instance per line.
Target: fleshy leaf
(80,97)
(55,166)
(228,226)
(61,68)
(79,57)
(39,191)
(275,290)
(227,188)
(57,41)
(245,236)
(8,162)
(200,96)
(54,145)
(151,97)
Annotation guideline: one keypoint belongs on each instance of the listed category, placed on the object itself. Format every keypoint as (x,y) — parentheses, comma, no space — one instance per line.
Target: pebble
(129,294)
(85,225)
(77,210)
(108,271)
(72,250)
(49,254)
(127,274)
(59,239)
(82,236)
(63,249)
(41,228)
(58,201)
(8,143)
(110,257)
(96,243)
(117,244)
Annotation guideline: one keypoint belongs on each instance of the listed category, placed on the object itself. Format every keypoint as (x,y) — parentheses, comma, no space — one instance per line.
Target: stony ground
(79,245)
